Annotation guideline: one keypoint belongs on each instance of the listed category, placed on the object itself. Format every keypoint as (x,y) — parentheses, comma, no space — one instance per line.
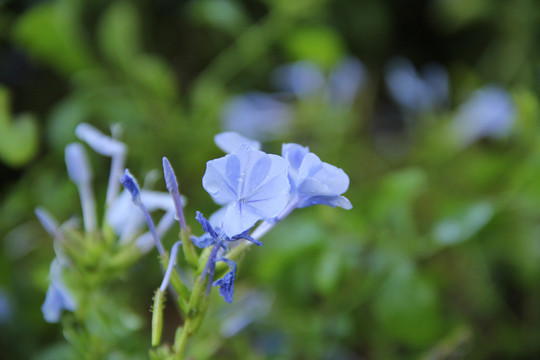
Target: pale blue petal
(333,201)
(230,141)
(311,164)
(257,174)
(99,142)
(216,219)
(216,183)
(78,168)
(239,218)
(294,154)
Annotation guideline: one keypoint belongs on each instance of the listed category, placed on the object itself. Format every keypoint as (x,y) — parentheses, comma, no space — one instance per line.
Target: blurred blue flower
(301,78)
(489,112)
(315,182)
(304,79)
(417,93)
(251,184)
(58,297)
(256,115)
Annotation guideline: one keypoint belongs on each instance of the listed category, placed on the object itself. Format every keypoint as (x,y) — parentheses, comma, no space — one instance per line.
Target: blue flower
(305,79)
(489,112)
(415,92)
(252,186)
(315,182)
(256,115)
(58,297)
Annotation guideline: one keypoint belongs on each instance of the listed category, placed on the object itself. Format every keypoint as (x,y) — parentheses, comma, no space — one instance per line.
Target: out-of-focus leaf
(455,14)
(154,76)
(468,221)
(399,189)
(223,15)
(50,31)
(321,45)
(407,307)
(62,123)
(119,32)
(326,275)
(18,137)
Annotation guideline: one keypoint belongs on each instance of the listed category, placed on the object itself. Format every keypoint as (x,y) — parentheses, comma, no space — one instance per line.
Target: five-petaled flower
(252,186)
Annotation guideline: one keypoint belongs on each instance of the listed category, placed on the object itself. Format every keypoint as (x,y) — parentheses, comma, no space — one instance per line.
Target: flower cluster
(252,186)
(121,215)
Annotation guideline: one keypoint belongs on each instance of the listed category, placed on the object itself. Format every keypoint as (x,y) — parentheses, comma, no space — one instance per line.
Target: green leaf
(51,32)
(119,32)
(406,308)
(321,45)
(18,138)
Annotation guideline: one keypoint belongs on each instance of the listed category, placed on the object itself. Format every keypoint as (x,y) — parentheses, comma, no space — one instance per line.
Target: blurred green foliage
(438,259)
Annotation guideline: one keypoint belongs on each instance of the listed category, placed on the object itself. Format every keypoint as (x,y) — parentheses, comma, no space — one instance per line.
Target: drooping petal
(333,201)
(226,284)
(230,141)
(207,227)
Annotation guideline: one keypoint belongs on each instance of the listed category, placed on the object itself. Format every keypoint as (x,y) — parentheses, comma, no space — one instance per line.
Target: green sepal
(157,316)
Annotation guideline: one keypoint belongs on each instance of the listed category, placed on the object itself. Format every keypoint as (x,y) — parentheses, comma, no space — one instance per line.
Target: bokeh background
(430,106)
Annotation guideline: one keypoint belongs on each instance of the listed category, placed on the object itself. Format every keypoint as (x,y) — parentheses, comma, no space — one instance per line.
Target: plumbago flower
(121,215)
(489,112)
(252,186)
(416,93)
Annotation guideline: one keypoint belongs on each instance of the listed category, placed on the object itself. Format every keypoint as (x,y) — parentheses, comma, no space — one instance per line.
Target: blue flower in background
(58,297)
(256,115)
(489,112)
(315,182)
(414,92)
(251,184)
(304,79)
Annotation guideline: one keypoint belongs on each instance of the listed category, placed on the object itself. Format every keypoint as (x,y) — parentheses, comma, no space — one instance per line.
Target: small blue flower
(58,297)
(415,92)
(226,284)
(251,184)
(489,112)
(315,182)
(256,115)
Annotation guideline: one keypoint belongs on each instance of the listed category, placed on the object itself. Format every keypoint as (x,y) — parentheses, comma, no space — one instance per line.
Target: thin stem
(88,205)
(152,228)
(170,266)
